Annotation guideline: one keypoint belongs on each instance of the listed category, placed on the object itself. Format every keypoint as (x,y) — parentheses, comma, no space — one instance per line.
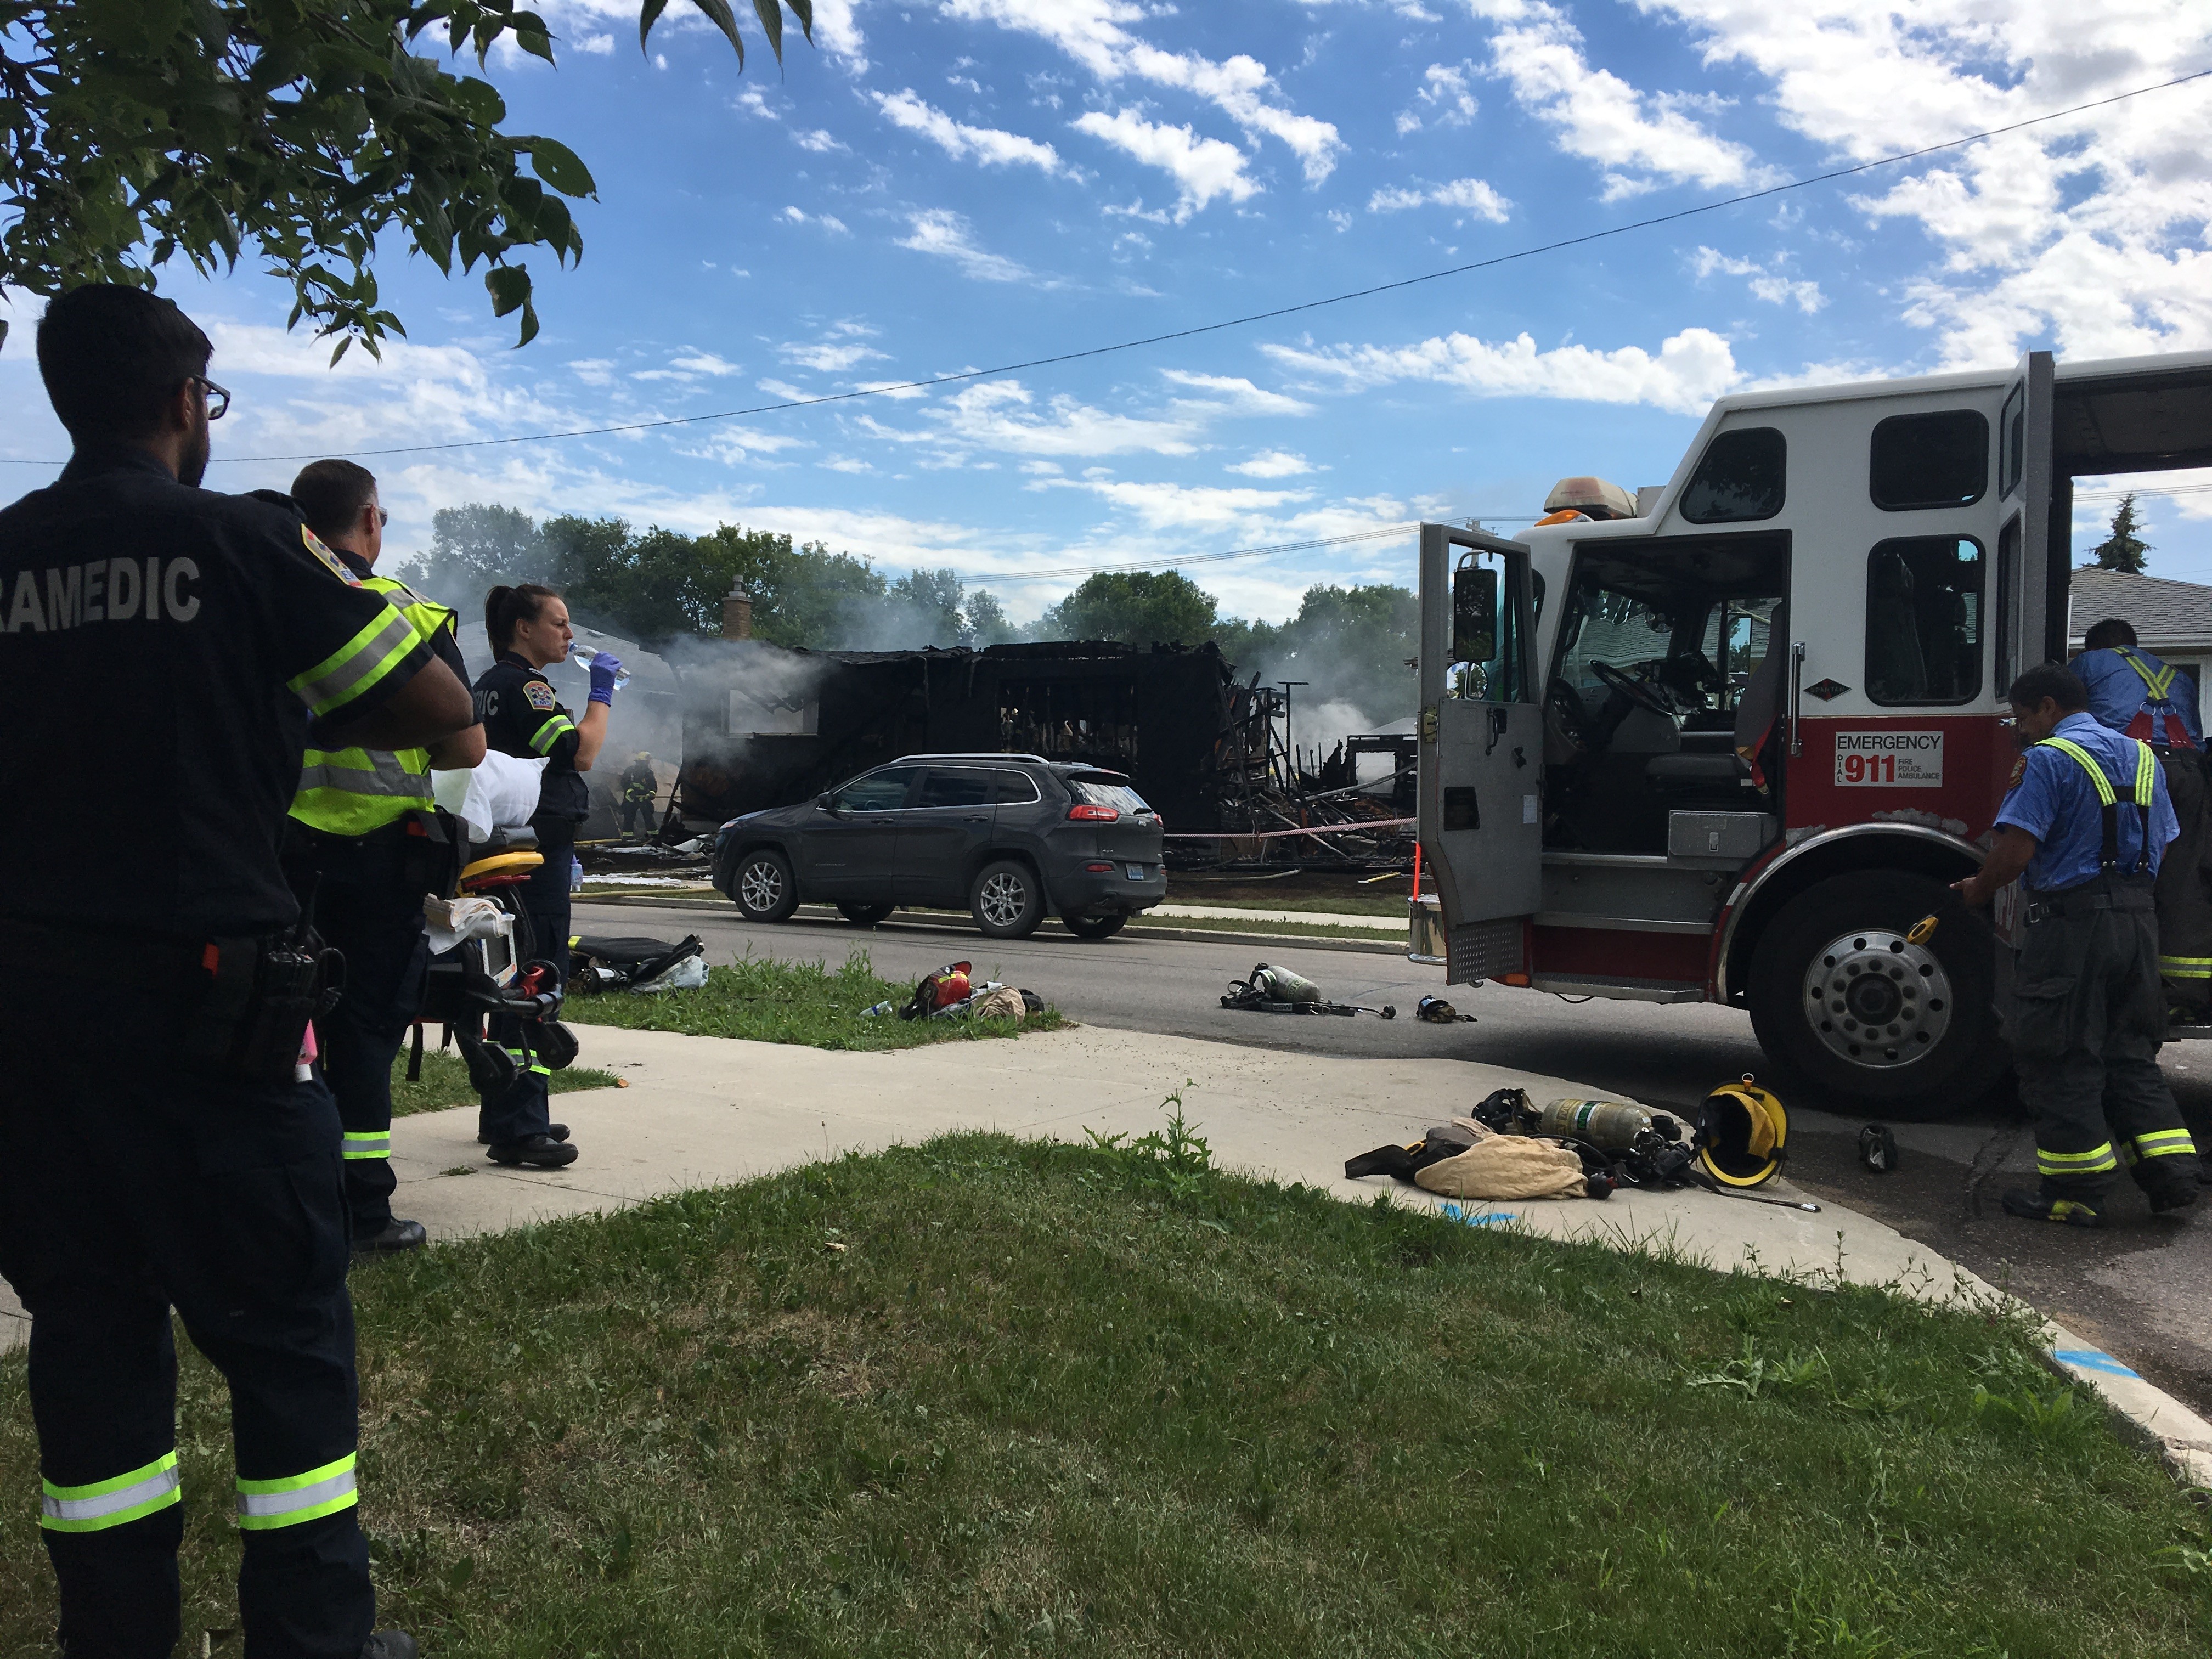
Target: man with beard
(168,652)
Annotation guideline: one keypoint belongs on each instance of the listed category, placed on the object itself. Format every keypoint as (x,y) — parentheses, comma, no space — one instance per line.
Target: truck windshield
(1689,628)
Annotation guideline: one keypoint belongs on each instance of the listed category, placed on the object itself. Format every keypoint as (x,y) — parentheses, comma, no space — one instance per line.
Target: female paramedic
(529,629)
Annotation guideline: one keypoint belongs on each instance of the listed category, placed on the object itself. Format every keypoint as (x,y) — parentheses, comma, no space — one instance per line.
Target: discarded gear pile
(1511,1148)
(1280,991)
(951,992)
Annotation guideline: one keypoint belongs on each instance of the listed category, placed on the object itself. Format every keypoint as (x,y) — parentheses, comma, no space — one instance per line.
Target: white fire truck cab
(1732,748)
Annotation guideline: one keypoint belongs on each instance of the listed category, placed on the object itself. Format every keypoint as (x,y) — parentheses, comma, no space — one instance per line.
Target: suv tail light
(1085,813)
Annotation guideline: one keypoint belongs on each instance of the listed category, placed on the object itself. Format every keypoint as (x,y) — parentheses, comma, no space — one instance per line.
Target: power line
(1257,316)
(1380,533)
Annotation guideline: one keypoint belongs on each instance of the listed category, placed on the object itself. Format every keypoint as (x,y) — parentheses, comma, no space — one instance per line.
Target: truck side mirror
(1474,614)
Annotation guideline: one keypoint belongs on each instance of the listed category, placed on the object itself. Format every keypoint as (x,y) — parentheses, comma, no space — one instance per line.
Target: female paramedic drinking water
(529,629)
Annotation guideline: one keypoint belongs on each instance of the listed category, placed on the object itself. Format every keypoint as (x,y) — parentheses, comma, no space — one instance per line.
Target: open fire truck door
(1482,746)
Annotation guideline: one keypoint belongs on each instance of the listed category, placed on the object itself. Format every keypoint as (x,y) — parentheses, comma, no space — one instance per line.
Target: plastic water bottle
(586,656)
(576,874)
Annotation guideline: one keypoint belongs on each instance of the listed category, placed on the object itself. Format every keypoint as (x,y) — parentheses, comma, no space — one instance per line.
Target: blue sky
(945,184)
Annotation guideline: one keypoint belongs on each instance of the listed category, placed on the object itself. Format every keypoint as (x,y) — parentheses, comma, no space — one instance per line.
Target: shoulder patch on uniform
(540,695)
(335,565)
(2019,771)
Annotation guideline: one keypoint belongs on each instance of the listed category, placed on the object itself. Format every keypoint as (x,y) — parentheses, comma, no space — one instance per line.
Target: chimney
(737,614)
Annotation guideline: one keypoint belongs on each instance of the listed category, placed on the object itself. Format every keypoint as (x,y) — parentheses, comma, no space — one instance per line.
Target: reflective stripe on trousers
(2097,1161)
(264,1505)
(524,1062)
(2186,967)
(2161,1143)
(114,1502)
(373,1144)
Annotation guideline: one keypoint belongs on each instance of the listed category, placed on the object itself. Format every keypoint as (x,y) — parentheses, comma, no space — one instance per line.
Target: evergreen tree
(2122,549)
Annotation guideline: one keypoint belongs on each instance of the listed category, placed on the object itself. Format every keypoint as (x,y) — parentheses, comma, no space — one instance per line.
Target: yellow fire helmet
(1742,1134)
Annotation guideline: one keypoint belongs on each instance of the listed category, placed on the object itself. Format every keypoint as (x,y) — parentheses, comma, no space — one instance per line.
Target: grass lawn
(445,1082)
(808,1002)
(1345,895)
(989,1397)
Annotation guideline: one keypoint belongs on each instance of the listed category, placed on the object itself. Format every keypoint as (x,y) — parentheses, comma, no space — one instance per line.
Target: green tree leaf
(559,166)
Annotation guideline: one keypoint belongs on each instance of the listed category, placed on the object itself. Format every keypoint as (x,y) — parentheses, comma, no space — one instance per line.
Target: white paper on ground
(500,792)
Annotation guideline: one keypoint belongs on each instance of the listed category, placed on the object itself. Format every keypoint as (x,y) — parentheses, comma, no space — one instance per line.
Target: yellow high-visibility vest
(351,792)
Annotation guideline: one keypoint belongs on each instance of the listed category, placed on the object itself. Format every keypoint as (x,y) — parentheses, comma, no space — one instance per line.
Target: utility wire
(1379,534)
(1256,316)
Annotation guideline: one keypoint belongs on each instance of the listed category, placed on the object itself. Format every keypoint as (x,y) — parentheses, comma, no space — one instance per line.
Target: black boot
(397,1236)
(555,1131)
(533,1152)
(2037,1206)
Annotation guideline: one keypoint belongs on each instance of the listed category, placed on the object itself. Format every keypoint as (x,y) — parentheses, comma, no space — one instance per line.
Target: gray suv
(1012,837)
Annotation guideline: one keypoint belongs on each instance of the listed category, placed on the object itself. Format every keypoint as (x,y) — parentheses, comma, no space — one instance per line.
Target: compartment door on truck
(1482,746)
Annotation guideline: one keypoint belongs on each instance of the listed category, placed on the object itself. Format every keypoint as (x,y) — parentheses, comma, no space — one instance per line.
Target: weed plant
(989,1397)
(771,1000)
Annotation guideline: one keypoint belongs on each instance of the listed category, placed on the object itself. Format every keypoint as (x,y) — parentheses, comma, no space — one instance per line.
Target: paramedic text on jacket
(149,1159)
(2085,822)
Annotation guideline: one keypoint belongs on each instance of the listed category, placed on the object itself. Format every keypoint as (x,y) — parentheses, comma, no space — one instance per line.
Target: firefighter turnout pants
(2185,890)
(524,1108)
(129,1187)
(368,908)
(2086,1019)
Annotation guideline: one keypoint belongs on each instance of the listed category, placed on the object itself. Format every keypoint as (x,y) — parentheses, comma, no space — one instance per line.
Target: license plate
(1136,872)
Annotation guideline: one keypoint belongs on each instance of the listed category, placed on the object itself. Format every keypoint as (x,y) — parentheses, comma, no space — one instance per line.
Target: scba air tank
(1611,1126)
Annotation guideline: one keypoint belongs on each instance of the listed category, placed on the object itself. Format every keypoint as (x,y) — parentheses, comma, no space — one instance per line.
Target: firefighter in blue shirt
(2132,691)
(2086,820)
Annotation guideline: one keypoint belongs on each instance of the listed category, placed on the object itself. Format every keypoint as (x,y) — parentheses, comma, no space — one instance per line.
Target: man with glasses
(366,844)
(172,650)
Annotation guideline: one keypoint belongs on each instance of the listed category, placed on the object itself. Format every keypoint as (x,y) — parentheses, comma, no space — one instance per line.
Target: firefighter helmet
(1742,1134)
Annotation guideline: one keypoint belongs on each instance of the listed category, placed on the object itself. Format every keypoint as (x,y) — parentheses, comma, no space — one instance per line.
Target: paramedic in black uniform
(168,650)
(529,631)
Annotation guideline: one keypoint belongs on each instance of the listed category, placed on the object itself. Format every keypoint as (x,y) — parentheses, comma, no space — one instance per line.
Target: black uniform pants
(2086,1023)
(128,1187)
(637,812)
(368,907)
(523,1109)
(2185,890)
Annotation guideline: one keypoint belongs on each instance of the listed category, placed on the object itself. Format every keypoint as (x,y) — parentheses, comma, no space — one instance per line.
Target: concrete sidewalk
(710,1111)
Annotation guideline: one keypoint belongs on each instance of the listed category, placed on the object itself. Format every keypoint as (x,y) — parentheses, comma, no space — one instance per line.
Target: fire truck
(1731,738)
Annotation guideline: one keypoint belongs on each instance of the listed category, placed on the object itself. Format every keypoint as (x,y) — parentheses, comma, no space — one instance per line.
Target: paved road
(2142,1289)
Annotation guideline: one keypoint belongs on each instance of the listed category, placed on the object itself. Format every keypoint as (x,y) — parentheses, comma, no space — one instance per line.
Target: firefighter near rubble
(2086,820)
(160,1146)
(639,786)
(528,628)
(365,844)
(2132,691)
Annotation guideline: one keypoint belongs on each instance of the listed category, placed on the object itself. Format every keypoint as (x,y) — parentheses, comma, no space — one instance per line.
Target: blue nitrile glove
(605,667)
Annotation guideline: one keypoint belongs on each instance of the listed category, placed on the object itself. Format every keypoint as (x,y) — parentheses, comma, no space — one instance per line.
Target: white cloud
(1692,368)
(1232,394)
(785,390)
(896,390)
(1187,506)
(1446,95)
(599,46)
(827,356)
(1004,415)
(1274,464)
(838,35)
(1766,283)
(1469,195)
(988,145)
(943,233)
(1093,33)
(1643,139)
(2090,231)
(1203,168)
(829,222)
(820,141)
(688,369)
(594,371)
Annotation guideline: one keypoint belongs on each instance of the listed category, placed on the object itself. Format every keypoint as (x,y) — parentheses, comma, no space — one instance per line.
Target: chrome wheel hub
(1003,899)
(1875,999)
(760,885)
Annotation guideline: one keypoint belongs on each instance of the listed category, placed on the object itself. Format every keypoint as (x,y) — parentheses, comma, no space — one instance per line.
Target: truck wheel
(1007,900)
(762,886)
(1842,1001)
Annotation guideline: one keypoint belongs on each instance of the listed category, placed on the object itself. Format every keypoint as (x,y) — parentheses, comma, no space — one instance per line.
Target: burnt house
(768,726)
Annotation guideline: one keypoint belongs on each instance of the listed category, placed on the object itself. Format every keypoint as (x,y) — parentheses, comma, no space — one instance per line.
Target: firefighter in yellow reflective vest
(363,849)
(2132,691)
(2086,820)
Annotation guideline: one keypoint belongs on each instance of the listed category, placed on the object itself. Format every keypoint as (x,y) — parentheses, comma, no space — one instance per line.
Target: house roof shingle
(2163,612)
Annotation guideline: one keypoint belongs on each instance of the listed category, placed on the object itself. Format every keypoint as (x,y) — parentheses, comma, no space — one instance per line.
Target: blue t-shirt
(2119,697)
(2054,802)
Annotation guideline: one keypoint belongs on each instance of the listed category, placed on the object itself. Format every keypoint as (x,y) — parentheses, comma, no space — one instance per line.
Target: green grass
(445,1082)
(984,1397)
(807,1002)
(1344,896)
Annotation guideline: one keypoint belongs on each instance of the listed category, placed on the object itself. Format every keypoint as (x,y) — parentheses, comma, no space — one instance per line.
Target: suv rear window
(965,786)
(1095,793)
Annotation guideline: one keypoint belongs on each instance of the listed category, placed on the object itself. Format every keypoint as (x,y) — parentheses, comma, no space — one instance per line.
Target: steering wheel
(1645,693)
